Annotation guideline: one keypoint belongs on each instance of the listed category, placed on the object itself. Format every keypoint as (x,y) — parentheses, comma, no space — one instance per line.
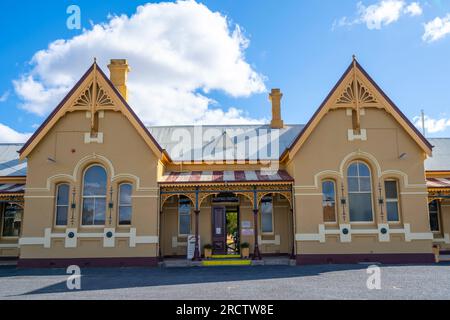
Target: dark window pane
(63,194)
(95,181)
(329,201)
(125,194)
(360,206)
(185,224)
(391,189)
(328,189)
(100,210)
(364,185)
(266,216)
(88,211)
(125,215)
(352,170)
(434,216)
(329,212)
(353,185)
(433,206)
(11,226)
(392,211)
(61,215)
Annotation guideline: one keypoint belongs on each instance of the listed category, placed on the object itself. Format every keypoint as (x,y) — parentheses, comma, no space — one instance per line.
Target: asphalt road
(230,283)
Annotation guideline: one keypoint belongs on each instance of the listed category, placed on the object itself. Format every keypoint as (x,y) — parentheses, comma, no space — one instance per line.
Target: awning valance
(248,176)
(12,188)
(438,183)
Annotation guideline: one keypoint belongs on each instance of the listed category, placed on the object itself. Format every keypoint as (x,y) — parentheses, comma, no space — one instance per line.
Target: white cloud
(178,52)
(414,9)
(432,125)
(381,14)
(9,135)
(437,29)
(4,96)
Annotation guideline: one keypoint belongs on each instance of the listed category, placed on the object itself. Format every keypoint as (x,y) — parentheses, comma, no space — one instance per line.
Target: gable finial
(95,60)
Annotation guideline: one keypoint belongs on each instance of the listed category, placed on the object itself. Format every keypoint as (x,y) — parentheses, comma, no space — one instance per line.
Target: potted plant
(207,251)
(245,250)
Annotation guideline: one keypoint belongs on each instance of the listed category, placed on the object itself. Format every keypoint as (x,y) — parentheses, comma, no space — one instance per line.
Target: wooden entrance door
(219,230)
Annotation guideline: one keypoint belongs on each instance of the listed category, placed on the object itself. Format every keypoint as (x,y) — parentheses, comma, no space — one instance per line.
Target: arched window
(62,204)
(329,200)
(94,196)
(125,209)
(359,192)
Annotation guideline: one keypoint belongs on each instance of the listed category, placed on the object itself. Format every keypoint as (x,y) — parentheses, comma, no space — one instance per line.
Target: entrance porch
(227,216)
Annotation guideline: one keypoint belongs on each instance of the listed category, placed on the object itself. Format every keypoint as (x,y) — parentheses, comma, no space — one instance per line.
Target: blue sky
(303,47)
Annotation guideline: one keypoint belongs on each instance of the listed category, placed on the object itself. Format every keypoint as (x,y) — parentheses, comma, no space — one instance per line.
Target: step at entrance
(226,262)
(226,256)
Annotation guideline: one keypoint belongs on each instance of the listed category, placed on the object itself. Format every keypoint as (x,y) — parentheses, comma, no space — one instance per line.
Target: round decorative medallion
(109,234)
(383,230)
(71,235)
(345,231)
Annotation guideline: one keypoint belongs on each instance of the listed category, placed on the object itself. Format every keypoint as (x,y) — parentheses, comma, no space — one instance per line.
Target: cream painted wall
(126,158)
(327,153)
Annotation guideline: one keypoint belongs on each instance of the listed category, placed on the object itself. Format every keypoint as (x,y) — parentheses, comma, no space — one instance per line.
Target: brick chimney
(118,71)
(275,96)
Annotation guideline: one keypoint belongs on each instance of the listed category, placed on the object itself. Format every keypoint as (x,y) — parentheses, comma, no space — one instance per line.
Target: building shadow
(122,278)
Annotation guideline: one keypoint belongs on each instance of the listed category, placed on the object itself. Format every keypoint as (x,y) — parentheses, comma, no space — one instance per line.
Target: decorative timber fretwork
(248,191)
(12,198)
(362,95)
(356,96)
(439,194)
(86,99)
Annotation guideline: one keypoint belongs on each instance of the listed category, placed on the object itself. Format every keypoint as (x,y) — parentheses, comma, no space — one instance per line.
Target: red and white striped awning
(438,183)
(225,177)
(12,188)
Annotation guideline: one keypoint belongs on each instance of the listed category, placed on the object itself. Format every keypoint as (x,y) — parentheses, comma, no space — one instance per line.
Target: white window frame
(391,200)
(359,192)
(272,217)
(119,205)
(335,201)
(57,205)
(93,197)
(179,216)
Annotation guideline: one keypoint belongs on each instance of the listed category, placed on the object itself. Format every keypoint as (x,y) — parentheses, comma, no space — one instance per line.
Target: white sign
(247,232)
(246,224)
(191,246)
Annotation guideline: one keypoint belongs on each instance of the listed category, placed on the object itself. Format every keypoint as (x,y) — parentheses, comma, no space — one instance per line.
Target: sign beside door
(191,246)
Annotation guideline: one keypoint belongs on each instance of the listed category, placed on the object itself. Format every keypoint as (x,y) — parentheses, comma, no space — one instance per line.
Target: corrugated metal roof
(10,166)
(440,161)
(227,142)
